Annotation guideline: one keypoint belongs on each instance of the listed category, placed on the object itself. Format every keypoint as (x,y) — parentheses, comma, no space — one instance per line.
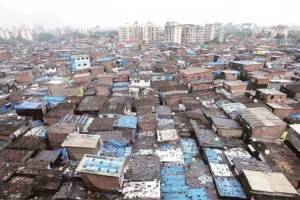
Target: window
(79,65)
(82,58)
(84,64)
(78,58)
(87,58)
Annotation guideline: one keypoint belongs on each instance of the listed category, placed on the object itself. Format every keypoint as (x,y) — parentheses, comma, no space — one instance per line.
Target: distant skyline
(114,13)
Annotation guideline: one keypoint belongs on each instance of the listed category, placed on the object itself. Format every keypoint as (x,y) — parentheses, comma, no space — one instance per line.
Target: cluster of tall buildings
(21,32)
(174,33)
(136,33)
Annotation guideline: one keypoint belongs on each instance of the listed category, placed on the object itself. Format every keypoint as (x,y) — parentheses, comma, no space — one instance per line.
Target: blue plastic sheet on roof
(229,187)
(38,93)
(36,123)
(120,84)
(7,107)
(64,153)
(127,122)
(102,165)
(211,155)
(28,105)
(166,146)
(198,194)
(4,109)
(191,52)
(120,88)
(216,63)
(38,132)
(173,184)
(54,99)
(114,148)
(117,143)
(105,59)
(189,149)
(295,115)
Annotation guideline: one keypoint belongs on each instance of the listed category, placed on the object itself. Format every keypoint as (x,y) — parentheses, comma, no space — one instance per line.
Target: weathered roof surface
(270,91)
(91,103)
(137,165)
(194,70)
(269,182)
(225,123)
(235,83)
(61,127)
(173,88)
(13,155)
(261,117)
(82,141)
(102,124)
(295,87)
(142,190)
(280,106)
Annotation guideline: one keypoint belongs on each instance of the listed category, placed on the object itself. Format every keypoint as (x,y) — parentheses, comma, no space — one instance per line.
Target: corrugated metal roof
(260,117)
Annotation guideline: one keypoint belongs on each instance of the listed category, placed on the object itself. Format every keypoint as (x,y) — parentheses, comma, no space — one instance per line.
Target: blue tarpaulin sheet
(189,149)
(127,122)
(229,187)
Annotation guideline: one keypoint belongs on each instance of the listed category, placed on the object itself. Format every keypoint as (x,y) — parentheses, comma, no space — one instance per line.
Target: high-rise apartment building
(5,34)
(192,34)
(135,33)
(280,30)
(208,32)
(173,33)
(26,34)
(188,34)
(214,32)
(218,32)
(200,34)
(150,33)
(131,33)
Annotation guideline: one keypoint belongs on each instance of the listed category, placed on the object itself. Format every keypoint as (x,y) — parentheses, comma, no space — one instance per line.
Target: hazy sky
(113,13)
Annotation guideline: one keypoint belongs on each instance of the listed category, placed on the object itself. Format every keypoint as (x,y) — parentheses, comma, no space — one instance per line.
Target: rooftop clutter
(95,120)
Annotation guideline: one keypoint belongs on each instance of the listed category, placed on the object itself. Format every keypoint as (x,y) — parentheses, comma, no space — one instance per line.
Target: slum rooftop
(92,120)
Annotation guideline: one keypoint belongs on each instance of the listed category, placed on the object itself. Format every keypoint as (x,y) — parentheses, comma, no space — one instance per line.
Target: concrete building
(130,33)
(192,34)
(189,33)
(280,31)
(4,34)
(79,62)
(208,32)
(218,32)
(200,34)
(26,34)
(150,33)
(214,32)
(173,33)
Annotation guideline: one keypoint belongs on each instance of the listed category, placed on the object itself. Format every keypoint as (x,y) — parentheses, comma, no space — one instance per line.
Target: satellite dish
(267,152)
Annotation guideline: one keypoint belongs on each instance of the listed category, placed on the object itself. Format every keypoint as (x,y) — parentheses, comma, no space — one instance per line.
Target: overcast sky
(113,13)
